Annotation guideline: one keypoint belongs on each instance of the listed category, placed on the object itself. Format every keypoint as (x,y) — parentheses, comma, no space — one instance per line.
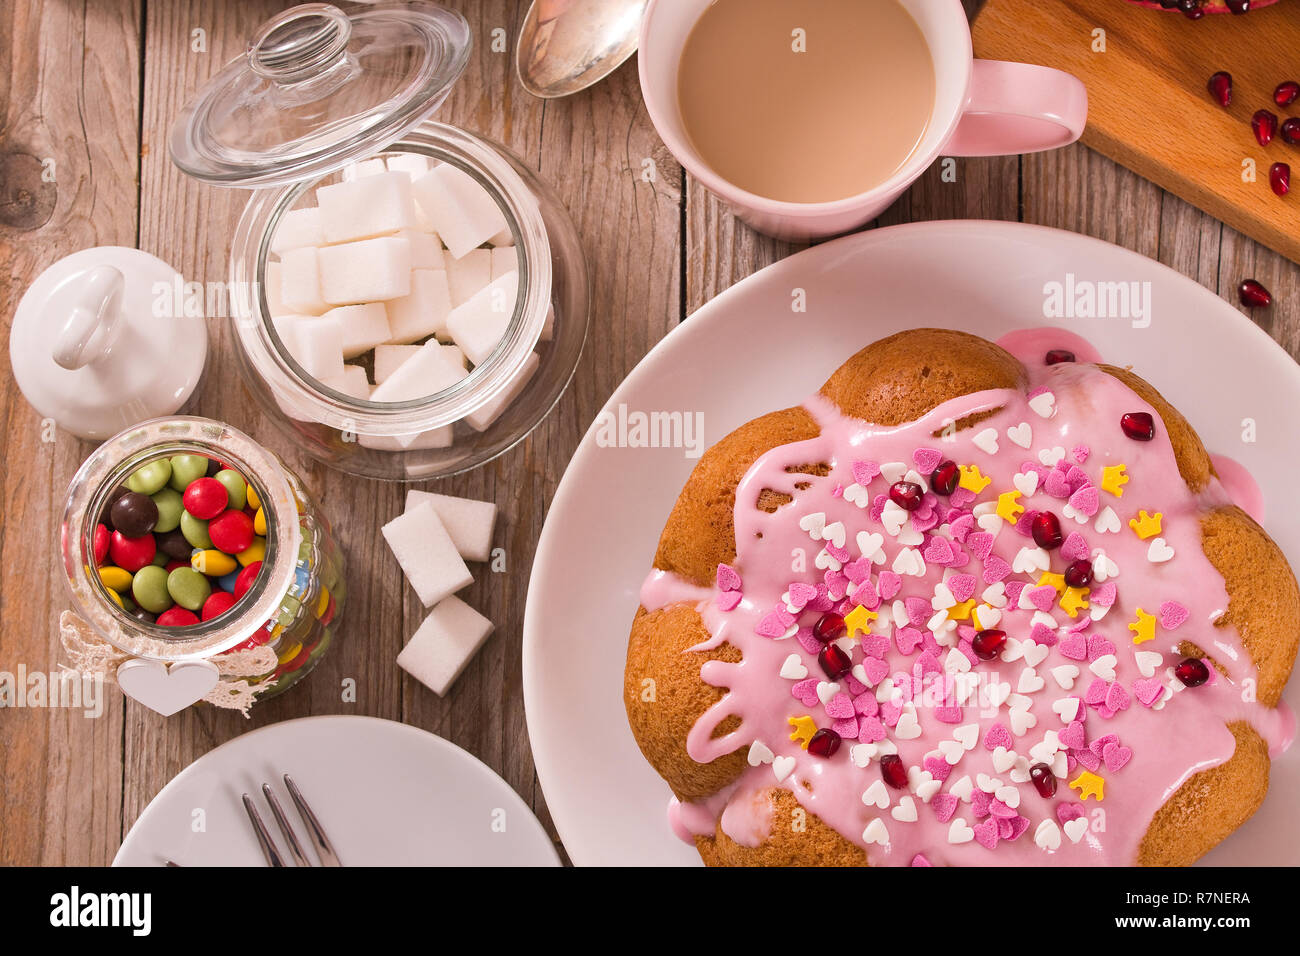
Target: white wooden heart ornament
(167,690)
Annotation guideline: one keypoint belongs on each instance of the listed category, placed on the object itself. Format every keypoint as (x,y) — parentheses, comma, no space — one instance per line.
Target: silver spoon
(567,45)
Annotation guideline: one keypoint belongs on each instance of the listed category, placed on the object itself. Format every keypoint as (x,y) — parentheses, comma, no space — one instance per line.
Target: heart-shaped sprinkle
(1107,521)
(986,833)
(1117,698)
(1115,756)
(1104,667)
(728,600)
(959,831)
(1076,828)
(759,753)
(1021,435)
(905,812)
(865,471)
(1159,551)
(728,579)
(793,668)
(1048,836)
(1098,646)
(1043,404)
(1172,614)
(1073,735)
(876,795)
(1075,547)
(805,691)
(987,441)
(781,767)
(1074,646)
(888,584)
(1067,708)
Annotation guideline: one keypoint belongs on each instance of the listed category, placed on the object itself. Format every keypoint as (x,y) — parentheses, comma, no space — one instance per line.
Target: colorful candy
(131,554)
(150,590)
(188,588)
(205,498)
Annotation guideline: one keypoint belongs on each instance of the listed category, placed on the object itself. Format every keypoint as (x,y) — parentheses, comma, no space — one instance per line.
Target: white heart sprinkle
(834,533)
(872,546)
(1067,708)
(1009,795)
(1148,661)
(956,662)
(995,595)
(893,517)
(959,831)
(927,789)
(1021,722)
(1102,566)
(1035,653)
(782,766)
(907,727)
(813,524)
(1003,759)
(886,691)
(908,535)
(1158,551)
(826,690)
(1021,435)
(860,675)
(962,789)
(905,812)
(951,750)
(988,616)
(861,754)
(793,668)
(760,752)
(986,783)
(1044,619)
(876,832)
(1013,650)
(858,495)
(991,523)
(826,561)
(1043,404)
(893,471)
(1026,483)
(1048,836)
(876,795)
(1104,666)
(1076,828)
(943,598)
(967,735)
(1107,521)
(1029,682)
(997,693)
(1050,456)
(909,562)
(1029,560)
(987,441)
(1060,764)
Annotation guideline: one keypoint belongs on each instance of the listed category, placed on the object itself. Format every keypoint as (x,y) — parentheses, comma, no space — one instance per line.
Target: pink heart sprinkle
(962,526)
(840,707)
(1065,812)
(888,584)
(870,730)
(1025,523)
(846,727)
(1116,756)
(948,715)
(1000,809)
(890,712)
(1096,692)
(805,691)
(859,572)
(1042,634)
(865,471)
(1098,745)
(980,544)
(966,646)
(728,600)
(1043,597)
(771,626)
(1080,453)
(1103,595)
(1148,690)
(878,506)
(1075,547)
(908,639)
(784,617)
(801,594)
(962,586)
(866,705)
(1057,486)
(1077,477)
(928,663)
(995,569)
(920,860)
(918,611)
(1117,698)
(1005,827)
(875,669)
(938,767)
(875,645)
(808,641)
(938,552)
(1019,825)
(927,460)
(1075,647)
(1086,500)
(1104,712)
(728,579)
(1098,646)
(1013,589)
(986,833)
(961,497)
(979,803)
(853,685)
(998,736)
(839,554)
(1087,759)
(944,806)
(1172,614)
(1073,735)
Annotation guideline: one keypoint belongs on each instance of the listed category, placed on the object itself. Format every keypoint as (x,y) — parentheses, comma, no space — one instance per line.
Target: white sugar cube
(372,270)
(413,164)
(426,554)
(478,325)
(297,228)
(469,522)
(271,285)
(415,441)
(468,274)
(454,352)
(424,373)
(504,259)
(320,347)
(548,327)
(286,327)
(482,417)
(463,213)
(503,238)
(366,167)
(389,357)
(377,205)
(364,327)
(352,382)
(439,650)
(300,281)
(426,249)
(423,312)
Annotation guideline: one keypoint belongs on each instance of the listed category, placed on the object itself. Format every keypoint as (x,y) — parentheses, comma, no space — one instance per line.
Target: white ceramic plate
(386,794)
(746,353)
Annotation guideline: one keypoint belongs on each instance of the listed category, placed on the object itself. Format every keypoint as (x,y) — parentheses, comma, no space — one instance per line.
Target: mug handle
(1018,108)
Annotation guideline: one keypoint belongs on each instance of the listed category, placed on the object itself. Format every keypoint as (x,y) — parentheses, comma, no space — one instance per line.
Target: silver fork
(324,849)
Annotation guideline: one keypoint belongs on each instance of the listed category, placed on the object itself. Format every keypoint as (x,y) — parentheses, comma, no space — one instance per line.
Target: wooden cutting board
(1148,107)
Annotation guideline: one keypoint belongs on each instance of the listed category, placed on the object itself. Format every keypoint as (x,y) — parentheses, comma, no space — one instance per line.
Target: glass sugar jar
(319,92)
(292,601)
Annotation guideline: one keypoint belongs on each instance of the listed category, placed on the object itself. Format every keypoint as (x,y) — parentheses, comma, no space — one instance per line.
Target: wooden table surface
(88,90)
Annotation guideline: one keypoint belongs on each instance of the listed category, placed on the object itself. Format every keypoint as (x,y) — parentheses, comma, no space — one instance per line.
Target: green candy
(170,506)
(159,559)
(187,468)
(149,588)
(195,531)
(236,488)
(151,477)
(188,588)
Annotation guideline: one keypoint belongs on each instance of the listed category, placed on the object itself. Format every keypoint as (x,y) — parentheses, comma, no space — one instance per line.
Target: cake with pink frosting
(969,604)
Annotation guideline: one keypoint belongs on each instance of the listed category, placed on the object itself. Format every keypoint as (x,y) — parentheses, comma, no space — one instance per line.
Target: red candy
(829,627)
(1057,356)
(103,537)
(205,498)
(1079,573)
(893,772)
(824,743)
(132,554)
(246,579)
(1044,780)
(1192,672)
(988,644)
(176,617)
(230,531)
(945,478)
(1046,528)
(1139,426)
(218,603)
(834,661)
(906,494)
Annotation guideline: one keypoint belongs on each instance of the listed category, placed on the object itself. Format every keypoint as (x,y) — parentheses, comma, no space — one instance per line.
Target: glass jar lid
(319,88)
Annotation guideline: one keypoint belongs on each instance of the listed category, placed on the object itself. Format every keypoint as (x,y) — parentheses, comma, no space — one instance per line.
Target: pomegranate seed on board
(1286,93)
(1046,528)
(893,772)
(1237,7)
(824,743)
(1139,426)
(1192,672)
(834,661)
(1043,779)
(1079,573)
(1279,177)
(1220,87)
(944,478)
(1057,356)
(1264,123)
(988,644)
(1253,295)
(829,627)
(1290,130)
(906,494)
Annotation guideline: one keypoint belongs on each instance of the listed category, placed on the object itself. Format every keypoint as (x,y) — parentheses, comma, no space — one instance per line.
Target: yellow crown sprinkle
(1146,525)
(1114,478)
(804,728)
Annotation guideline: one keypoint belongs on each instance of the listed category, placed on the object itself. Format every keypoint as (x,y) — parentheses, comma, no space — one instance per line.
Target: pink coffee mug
(982,108)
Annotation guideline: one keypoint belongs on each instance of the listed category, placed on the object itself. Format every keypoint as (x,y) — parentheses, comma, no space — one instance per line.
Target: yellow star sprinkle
(1075,600)
(972,480)
(1055,580)
(1114,478)
(962,611)
(1008,510)
(1144,628)
(859,619)
(804,728)
(1146,526)
(1089,785)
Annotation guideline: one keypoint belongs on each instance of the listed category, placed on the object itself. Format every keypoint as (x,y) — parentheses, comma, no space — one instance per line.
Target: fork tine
(269,850)
(324,849)
(295,848)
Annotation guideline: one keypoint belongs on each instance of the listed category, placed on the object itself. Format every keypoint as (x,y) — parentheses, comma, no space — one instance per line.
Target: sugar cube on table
(426,249)
(413,164)
(504,259)
(426,554)
(422,312)
(389,357)
(482,417)
(271,284)
(365,167)
(469,522)
(478,325)
(415,441)
(424,373)
(319,347)
(363,208)
(441,647)
(463,213)
(300,281)
(364,327)
(297,228)
(468,274)
(372,270)
(352,382)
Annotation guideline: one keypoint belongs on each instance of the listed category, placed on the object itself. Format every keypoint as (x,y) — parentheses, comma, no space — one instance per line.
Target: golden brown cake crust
(894,381)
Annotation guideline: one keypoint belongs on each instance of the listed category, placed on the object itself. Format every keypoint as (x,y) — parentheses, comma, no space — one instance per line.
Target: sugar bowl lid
(318,88)
(100,341)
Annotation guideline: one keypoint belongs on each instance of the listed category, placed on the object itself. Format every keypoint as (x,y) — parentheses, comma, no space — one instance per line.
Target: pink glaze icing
(1144,753)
